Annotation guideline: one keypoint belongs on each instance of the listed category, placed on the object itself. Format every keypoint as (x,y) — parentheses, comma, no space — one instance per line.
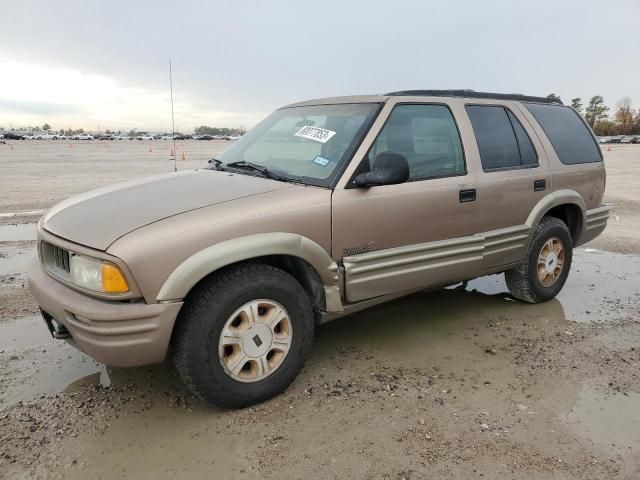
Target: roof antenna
(173,122)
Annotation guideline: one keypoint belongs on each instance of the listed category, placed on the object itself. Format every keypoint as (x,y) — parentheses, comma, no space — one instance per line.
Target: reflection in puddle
(608,422)
(15,233)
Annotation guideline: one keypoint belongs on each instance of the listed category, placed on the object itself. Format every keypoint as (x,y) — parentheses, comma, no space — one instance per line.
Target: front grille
(56,260)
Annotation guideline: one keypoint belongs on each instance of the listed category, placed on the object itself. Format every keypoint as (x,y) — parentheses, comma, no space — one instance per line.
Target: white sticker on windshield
(314,133)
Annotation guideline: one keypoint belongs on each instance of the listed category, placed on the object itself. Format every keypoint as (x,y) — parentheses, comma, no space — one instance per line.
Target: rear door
(514,176)
(395,238)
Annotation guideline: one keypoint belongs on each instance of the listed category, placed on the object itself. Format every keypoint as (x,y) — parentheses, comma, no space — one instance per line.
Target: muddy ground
(453,384)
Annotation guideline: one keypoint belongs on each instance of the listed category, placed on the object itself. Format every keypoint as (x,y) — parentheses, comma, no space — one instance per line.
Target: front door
(394,238)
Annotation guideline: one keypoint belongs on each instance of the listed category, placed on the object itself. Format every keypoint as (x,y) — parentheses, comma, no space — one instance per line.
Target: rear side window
(502,140)
(568,134)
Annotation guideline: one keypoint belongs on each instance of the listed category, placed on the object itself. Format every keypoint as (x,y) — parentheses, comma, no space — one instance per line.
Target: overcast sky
(86,63)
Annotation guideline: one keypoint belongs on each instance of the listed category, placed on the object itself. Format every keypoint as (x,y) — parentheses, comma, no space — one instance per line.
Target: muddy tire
(243,335)
(546,267)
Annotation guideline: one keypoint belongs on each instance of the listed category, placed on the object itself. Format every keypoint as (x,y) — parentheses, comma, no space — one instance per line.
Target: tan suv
(326,207)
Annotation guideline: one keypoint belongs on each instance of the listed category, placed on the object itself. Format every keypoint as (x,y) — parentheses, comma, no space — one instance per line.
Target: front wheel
(546,267)
(243,335)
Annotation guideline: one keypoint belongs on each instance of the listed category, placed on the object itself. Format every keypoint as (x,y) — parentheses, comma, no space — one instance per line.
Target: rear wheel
(546,267)
(243,335)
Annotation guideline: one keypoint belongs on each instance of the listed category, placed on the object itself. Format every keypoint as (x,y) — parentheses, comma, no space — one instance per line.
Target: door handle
(539,185)
(467,195)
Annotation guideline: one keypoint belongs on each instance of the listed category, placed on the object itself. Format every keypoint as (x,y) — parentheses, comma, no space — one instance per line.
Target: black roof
(473,94)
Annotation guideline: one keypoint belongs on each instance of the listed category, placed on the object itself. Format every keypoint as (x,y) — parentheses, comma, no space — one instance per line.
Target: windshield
(308,144)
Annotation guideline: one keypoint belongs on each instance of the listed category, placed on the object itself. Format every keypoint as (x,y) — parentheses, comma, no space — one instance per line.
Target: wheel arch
(566,205)
(299,256)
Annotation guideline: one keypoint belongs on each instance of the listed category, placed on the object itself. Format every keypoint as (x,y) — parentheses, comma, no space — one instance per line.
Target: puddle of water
(424,328)
(24,333)
(15,233)
(17,263)
(37,364)
(610,423)
(23,213)
(602,287)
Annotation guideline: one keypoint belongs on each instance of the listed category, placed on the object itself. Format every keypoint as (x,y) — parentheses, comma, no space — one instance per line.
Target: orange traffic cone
(184,156)
(609,148)
(172,153)
(150,149)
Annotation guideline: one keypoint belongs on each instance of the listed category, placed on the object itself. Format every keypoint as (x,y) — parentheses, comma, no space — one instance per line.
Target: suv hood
(98,218)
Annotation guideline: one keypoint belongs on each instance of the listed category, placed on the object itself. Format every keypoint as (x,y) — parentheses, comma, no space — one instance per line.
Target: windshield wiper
(253,166)
(216,164)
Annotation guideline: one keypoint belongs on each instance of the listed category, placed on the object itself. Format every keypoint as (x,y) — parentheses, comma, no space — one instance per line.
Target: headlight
(94,274)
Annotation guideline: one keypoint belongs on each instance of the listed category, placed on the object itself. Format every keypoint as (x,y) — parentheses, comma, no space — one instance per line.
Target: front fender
(217,256)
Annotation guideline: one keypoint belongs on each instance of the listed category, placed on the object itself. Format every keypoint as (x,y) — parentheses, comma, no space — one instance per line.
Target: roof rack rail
(473,94)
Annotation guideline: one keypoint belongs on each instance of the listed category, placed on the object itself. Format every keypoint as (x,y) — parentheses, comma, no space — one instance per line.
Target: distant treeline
(624,121)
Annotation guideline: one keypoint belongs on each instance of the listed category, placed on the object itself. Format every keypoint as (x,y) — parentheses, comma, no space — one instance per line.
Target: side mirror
(388,169)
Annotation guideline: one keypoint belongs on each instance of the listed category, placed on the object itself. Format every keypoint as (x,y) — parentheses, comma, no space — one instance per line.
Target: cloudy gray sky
(88,63)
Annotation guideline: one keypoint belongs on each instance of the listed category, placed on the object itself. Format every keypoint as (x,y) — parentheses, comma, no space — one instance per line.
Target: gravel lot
(455,384)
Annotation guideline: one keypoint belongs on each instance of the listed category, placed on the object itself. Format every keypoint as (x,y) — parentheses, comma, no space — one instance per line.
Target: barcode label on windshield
(314,133)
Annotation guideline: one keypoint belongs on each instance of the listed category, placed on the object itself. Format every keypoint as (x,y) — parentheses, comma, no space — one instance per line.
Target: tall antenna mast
(173,122)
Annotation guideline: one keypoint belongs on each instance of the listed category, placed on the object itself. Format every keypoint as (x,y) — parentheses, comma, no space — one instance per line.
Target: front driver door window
(399,237)
(427,136)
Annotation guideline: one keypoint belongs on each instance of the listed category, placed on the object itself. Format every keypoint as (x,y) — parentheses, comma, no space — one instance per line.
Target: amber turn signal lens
(113,280)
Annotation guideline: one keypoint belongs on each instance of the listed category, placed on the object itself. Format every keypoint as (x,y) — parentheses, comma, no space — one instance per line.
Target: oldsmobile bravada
(324,208)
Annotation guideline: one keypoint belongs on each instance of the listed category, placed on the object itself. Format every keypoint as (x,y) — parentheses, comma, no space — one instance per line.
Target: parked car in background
(182,137)
(626,139)
(326,207)
(635,139)
(145,137)
(83,136)
(205,137)
(46,136)
(14,136)
(122,137)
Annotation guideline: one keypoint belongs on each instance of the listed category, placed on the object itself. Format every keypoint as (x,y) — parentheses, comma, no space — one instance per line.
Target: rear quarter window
(567,132)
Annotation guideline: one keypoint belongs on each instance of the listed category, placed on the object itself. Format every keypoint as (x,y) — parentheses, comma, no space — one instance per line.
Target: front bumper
(119,334)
